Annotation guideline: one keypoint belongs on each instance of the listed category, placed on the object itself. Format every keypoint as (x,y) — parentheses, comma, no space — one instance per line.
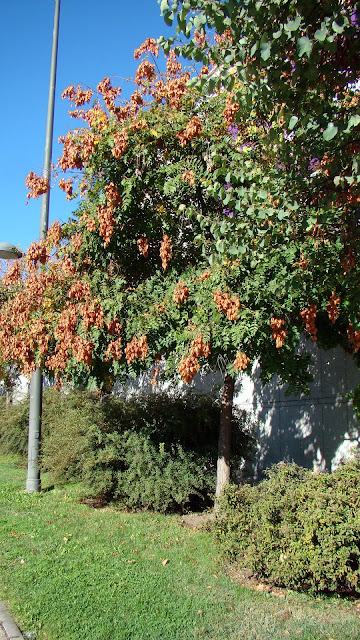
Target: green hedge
(156,451)
(14,420)
(297,528)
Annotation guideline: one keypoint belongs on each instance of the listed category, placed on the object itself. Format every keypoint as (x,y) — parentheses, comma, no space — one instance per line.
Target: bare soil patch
(196,520)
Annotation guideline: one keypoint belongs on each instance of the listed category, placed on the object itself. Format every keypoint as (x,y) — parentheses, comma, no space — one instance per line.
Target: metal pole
(33,482)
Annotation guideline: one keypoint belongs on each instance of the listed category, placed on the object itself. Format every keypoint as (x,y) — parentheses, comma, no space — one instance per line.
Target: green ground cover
(69,571)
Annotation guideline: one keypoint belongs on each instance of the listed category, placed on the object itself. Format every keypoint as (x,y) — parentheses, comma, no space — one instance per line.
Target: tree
(188,248)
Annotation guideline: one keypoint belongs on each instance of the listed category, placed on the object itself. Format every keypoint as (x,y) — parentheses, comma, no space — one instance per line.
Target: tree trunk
(223,461)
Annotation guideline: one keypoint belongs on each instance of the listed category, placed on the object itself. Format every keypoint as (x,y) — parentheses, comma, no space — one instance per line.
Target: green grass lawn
(71,572)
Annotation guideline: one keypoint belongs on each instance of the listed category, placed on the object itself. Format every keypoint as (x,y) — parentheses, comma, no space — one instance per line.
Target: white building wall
(316,432)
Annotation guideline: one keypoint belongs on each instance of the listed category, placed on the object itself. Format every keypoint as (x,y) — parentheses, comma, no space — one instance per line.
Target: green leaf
(265,50)
(330,132)
(192,82)
(304,46)
(350,179)
(229,57)
(199,20)
(168,18)
(321,33)
(220,246)
(187,30)
(211,85)
(218,23)
(293,206)
(337,27)
(181,22)
(293,25)
(353,122)
(164,6)
(292,122)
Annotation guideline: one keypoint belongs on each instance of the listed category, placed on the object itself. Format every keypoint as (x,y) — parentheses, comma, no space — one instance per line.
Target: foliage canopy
(213,228)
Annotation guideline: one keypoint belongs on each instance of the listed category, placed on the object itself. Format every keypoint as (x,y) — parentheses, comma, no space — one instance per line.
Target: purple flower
(314,164)
(354,20)
(228,213)
(234,131)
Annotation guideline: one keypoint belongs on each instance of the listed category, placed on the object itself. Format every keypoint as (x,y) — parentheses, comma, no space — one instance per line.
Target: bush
(14,421)
(160,479)
(157,452)
(297,528)
(127,466)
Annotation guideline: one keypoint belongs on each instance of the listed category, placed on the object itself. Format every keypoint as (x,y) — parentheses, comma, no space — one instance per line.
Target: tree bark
(224,445)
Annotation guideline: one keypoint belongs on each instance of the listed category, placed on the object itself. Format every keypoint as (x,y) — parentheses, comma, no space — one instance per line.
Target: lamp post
(33,482)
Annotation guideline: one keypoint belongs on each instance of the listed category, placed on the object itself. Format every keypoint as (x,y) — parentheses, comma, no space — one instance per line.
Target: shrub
(297,528)
(14,420)
(156,452)
(160,479)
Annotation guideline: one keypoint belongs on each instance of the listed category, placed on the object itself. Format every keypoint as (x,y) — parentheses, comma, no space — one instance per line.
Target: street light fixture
(9,252)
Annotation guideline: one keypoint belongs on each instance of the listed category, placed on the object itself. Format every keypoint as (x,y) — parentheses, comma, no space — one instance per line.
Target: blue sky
(96,39)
